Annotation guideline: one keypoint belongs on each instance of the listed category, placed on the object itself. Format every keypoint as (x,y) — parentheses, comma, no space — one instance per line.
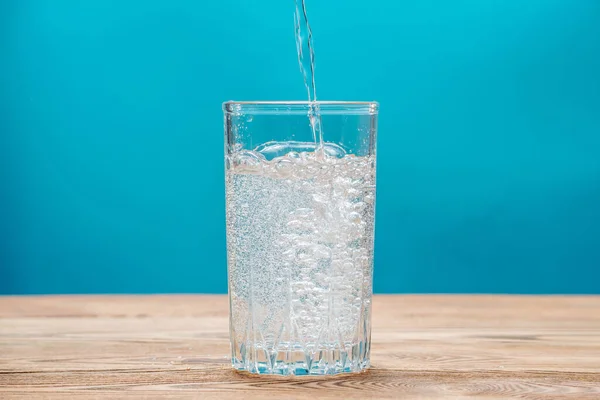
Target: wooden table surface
(424,347)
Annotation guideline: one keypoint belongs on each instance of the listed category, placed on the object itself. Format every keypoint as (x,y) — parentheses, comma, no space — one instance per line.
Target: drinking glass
(300,228)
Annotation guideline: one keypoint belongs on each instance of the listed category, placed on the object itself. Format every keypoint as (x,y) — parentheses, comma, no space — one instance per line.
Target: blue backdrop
(111,143)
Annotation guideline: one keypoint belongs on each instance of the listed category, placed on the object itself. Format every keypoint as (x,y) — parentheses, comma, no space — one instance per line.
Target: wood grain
(424,347)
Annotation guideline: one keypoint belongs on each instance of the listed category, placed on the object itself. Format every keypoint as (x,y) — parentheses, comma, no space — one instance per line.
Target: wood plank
(426,347)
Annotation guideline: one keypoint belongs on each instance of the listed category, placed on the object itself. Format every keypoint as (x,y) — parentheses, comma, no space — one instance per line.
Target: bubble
(330,236)
(248,159)
(357,253)
(311,170)
(306,259)
(274,149)
(289,254)
(321,277)
(302,212)
(322,252)
(303,244)
(353,192)
(354,217)
(284,167)
(306,156)
(320,197)
(334,150)
(294,224)
(359,206)
(364,261)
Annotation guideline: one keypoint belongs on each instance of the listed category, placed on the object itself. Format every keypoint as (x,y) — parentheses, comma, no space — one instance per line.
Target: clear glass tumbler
(300,230)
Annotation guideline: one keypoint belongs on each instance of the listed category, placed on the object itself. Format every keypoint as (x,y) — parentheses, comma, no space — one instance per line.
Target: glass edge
(293,107)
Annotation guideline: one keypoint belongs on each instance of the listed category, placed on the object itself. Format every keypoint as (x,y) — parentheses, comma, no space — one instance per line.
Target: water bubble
(306,259)
(334,150)
(248,159)
(322,252)
(294,224)
(353,192)
(357,253)
(303,244)
(274,149)
(320,197)
(284,167)
(302,212)
(360,206)
(320,277)
(354,217)
(330,236)
(364,261)
(311,170)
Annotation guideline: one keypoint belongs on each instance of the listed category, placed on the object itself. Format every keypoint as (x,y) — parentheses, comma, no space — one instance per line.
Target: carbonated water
(300,254)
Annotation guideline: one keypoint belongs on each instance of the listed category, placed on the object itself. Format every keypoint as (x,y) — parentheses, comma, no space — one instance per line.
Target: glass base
(352,359)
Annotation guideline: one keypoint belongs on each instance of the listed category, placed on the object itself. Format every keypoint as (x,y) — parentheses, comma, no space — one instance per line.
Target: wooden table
(425,347)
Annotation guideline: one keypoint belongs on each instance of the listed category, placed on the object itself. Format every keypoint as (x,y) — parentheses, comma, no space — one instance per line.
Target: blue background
(111,143)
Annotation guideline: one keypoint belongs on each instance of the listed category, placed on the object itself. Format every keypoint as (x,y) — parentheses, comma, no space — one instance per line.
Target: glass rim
(301,107)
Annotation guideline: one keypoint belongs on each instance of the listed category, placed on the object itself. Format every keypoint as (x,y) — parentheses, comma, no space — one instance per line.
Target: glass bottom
(298,362)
